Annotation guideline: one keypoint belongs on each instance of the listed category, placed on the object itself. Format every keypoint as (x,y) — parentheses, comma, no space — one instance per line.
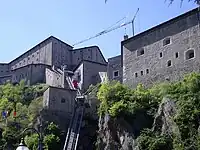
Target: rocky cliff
(163,117)
(121,134)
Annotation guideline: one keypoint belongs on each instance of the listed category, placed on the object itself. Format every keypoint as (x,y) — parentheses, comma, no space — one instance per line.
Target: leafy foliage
(149,140)
(118,100)
(26,101)
(51,139)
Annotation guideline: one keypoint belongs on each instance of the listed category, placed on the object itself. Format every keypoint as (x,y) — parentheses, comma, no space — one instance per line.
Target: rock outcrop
(120,134)
(163,121)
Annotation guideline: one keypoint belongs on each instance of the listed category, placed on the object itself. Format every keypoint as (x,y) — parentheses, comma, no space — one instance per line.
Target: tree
(19,108)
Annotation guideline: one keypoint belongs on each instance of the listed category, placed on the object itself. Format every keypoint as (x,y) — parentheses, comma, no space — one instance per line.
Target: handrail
(69,129)
(79,128)
(72,136)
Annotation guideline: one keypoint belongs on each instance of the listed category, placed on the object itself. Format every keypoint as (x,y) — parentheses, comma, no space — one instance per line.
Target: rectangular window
(176,55)
(115,74)
(136,75)
(161,55)
(169,63)
(141,73)
(63,100)
(140,52)
(166,41)
(147,71)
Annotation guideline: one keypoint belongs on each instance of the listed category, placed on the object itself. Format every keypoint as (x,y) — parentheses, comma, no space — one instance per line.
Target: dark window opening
(189,54)
(166,41)
(136,75)
(140,52)
(176,55)
(116,73)
(169,63)
(147,71)
(161,55)
(62,100)
(141,73)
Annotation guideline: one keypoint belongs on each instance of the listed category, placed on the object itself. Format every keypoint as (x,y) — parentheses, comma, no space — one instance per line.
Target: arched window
(189,54)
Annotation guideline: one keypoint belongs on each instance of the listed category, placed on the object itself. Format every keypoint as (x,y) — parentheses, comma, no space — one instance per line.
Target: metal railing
(72,136)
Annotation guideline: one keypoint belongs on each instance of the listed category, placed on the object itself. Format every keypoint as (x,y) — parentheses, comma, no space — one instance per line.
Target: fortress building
(41,64)
(163,53)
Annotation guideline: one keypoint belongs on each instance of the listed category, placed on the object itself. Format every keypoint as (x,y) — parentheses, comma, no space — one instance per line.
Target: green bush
(118,100)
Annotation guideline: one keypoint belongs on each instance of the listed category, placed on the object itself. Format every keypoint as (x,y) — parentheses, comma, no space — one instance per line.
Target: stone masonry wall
(32,74)
(59,99)
(4,69)
(91,73)
(114,65)
(92,53)
(61,53)
(53,78)
(152,66)
(40,54)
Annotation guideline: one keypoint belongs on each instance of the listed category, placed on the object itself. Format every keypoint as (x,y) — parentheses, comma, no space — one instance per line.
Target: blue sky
(24,23)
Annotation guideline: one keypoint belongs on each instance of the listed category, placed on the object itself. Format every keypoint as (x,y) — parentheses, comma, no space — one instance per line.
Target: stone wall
(32,74)
(115,68)
(160,54)
(40,54)
(6,78)
(4,69)
(53,78)
(61,53)
(91,73)
(92,53)
(59,99)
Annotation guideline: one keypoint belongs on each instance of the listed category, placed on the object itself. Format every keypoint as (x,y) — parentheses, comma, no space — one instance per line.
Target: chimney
(125,37)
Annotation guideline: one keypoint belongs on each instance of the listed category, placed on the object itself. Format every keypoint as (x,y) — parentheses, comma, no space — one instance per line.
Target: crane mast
(111,29)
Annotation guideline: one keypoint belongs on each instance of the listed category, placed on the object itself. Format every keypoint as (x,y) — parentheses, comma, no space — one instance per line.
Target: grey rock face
(163,121)
(118,134)
(114,136)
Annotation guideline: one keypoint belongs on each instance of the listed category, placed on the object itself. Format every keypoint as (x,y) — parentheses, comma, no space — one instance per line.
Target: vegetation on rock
(117,100)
